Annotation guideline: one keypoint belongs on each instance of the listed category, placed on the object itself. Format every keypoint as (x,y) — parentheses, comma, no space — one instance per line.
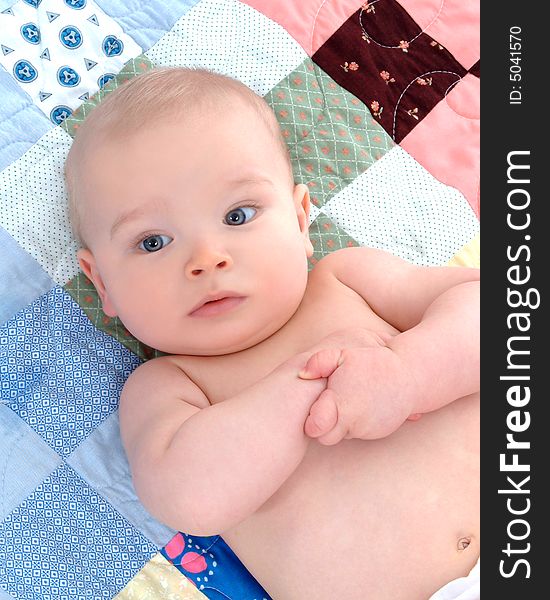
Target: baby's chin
(213,345)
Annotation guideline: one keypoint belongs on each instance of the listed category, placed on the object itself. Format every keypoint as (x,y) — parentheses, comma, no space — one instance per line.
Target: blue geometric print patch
(58,372)
(21,452)
(101,461)
(65,542)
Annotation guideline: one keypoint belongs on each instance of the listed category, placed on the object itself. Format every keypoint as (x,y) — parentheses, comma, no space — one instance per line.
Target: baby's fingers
(323,415)
(322,364)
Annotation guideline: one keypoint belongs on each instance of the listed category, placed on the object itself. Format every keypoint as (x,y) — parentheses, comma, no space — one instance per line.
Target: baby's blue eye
(154,243)
(240,215)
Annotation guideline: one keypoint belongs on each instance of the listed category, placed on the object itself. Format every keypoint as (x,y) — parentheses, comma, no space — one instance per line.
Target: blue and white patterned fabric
(61,52)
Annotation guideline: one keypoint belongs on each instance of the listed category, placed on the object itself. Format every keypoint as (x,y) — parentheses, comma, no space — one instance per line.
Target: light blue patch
(58,372)
(146,22)
(22,279)
(101,461)
(25,460)
(21,122)
(65,542)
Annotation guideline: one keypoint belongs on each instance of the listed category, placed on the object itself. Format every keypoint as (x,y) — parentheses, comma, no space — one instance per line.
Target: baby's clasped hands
(370,390)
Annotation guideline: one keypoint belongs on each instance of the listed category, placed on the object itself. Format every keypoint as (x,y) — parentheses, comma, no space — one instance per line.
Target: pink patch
(193,562)
(175,546)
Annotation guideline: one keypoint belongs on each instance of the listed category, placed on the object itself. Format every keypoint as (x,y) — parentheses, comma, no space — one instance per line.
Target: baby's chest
(329,316)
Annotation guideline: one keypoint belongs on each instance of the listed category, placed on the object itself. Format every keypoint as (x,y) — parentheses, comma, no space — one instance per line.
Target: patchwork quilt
(379,104)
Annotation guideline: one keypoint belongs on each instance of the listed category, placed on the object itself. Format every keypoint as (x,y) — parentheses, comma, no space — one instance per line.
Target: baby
(298,418)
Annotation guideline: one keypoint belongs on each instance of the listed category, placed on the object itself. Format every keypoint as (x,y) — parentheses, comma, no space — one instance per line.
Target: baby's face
(197,237)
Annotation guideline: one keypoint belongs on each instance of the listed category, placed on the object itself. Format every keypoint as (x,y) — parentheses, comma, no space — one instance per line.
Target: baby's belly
(393,519)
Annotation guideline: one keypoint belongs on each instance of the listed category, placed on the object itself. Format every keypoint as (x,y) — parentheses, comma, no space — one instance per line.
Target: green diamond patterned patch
(331,134)
(327,237)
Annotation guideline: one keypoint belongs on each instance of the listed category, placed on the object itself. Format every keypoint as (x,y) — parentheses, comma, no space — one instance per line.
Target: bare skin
(394,518)
(202,252)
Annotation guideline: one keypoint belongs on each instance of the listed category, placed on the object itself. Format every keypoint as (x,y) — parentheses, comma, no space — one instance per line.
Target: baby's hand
(369,393)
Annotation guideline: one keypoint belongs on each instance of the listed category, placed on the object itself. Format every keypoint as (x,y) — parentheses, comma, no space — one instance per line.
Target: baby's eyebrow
(251,181)
(126,217)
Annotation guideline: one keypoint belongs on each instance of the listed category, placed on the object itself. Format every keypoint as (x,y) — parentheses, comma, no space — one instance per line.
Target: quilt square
(381,55)
(21,122)
(60,51)
(65,542)
(21,451)
(58,373)
(331,135)
(22,280)
(213,567)
(398,206)
(34,205)
(231,38)
(145,22)
(158,580)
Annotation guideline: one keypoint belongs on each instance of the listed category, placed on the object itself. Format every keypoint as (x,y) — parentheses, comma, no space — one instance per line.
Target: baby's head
(182,195)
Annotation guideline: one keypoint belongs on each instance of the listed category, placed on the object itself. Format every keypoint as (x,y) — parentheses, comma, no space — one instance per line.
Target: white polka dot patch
(397,205)
(34,205)
(230,37)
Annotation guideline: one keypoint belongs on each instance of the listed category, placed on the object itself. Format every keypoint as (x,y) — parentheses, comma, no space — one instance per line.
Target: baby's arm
(436,309)
(200,468)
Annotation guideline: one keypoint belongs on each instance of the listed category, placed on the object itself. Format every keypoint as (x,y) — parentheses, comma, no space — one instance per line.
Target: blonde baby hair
(148,99)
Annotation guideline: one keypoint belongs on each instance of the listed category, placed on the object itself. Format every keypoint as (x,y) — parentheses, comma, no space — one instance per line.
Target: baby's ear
(301,202)
(87,263)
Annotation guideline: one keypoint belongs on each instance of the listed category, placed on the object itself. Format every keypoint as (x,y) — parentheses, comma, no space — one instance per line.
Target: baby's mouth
(217,305)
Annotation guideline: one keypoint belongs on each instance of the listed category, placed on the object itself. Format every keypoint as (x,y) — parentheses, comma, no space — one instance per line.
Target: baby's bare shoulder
(163,379)
(354,257)
(156,398)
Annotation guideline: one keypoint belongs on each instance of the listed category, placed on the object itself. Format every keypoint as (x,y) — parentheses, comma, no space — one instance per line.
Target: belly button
(463,543)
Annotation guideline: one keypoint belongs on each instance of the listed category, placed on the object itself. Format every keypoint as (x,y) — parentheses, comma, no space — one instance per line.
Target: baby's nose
(207,261)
